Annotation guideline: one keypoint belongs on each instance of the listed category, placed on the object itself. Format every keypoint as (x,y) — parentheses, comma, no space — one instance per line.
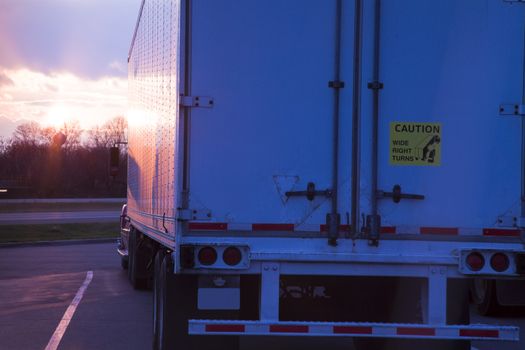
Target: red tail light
(207,256)
(232,256)
(475,261)
(499,262)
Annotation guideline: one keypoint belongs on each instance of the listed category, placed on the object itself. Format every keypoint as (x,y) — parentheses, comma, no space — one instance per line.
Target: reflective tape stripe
(482,333)
(500,232)
(342,228)
(273,227)
(225,328)
(416,331)
(438,230)
(354,329)
(388,229)
(286,227)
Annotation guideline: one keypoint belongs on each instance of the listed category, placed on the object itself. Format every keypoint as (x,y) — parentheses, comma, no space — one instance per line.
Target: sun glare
(57,98)
(58,115)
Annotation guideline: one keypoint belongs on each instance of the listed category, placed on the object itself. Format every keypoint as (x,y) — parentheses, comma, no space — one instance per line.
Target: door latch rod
(397,195)
(310,192)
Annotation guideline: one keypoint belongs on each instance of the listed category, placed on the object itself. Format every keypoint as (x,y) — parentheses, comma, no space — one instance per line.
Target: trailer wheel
(131,248)
(137,262)
(484,295)
(176,303)
(156,295)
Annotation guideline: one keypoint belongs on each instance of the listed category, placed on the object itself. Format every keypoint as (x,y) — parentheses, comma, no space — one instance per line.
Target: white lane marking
(68,315)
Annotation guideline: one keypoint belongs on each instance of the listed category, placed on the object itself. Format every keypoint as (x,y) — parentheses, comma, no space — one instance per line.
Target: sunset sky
(64,60)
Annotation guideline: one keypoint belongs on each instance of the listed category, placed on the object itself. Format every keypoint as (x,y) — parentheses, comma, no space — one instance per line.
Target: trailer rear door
(267,65)
(447,66)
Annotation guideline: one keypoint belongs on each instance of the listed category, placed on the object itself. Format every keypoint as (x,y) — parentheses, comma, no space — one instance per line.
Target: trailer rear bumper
(354,329)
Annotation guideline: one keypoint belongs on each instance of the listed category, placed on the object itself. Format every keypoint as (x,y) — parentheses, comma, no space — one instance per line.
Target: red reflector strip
(388,229)
(416,331)
(342,228)
(352,330)
(239,328)
(208,226)
(288,329)
(273,227)
(483,333)
(500,232)
(439,230)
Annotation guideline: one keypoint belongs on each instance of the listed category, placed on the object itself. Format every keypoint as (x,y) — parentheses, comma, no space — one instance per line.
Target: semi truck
(334,168)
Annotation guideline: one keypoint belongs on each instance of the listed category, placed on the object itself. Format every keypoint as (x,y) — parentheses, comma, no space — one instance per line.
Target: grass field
(54,232)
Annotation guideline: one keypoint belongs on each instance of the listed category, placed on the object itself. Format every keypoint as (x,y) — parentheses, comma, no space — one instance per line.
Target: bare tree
(109,133)
(4,145)
(73,134)
(98,137)
(47,134)
(117,128)
(28,133)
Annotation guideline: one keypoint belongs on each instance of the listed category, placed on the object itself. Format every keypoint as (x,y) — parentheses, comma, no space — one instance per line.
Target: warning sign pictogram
(415,143)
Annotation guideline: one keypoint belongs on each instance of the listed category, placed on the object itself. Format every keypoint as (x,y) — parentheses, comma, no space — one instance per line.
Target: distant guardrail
(63,200)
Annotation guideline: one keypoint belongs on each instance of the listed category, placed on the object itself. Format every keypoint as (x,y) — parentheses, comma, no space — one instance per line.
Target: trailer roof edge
(136,29)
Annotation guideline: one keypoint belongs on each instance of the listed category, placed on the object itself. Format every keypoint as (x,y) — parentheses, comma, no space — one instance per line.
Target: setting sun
(56,98)
(57,116)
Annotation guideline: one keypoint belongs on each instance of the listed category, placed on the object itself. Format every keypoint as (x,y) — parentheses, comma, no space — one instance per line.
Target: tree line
(47,162)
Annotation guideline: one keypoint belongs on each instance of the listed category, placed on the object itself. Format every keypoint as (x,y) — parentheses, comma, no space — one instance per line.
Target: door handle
(397,195)
(310,192)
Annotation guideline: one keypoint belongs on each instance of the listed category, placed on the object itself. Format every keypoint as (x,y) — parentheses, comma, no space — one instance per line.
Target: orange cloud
(52,99)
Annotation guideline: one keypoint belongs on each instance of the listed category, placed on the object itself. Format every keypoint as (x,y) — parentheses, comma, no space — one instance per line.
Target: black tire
(159,257)
(131,250)
(484,296)
(170,328)
(176,304)
(137,270)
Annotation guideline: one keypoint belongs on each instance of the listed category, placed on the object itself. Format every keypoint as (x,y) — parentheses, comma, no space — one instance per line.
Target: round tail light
(207,256)
(499,262)
(232,256)
(475,261)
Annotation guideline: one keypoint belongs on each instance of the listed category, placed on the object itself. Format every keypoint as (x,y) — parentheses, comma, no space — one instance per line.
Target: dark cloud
(83,37)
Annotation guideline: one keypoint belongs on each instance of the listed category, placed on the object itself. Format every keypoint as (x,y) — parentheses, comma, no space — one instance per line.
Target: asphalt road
(38,283)
(59,217)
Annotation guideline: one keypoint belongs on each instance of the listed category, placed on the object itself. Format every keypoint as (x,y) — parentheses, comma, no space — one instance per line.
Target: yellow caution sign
(415,143)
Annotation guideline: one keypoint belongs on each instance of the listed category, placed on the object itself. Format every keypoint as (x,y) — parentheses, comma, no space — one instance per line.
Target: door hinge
(193,214)
(196,101)
(512,109)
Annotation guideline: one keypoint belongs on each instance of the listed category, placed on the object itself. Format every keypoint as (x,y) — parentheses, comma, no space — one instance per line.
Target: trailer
(335,168)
